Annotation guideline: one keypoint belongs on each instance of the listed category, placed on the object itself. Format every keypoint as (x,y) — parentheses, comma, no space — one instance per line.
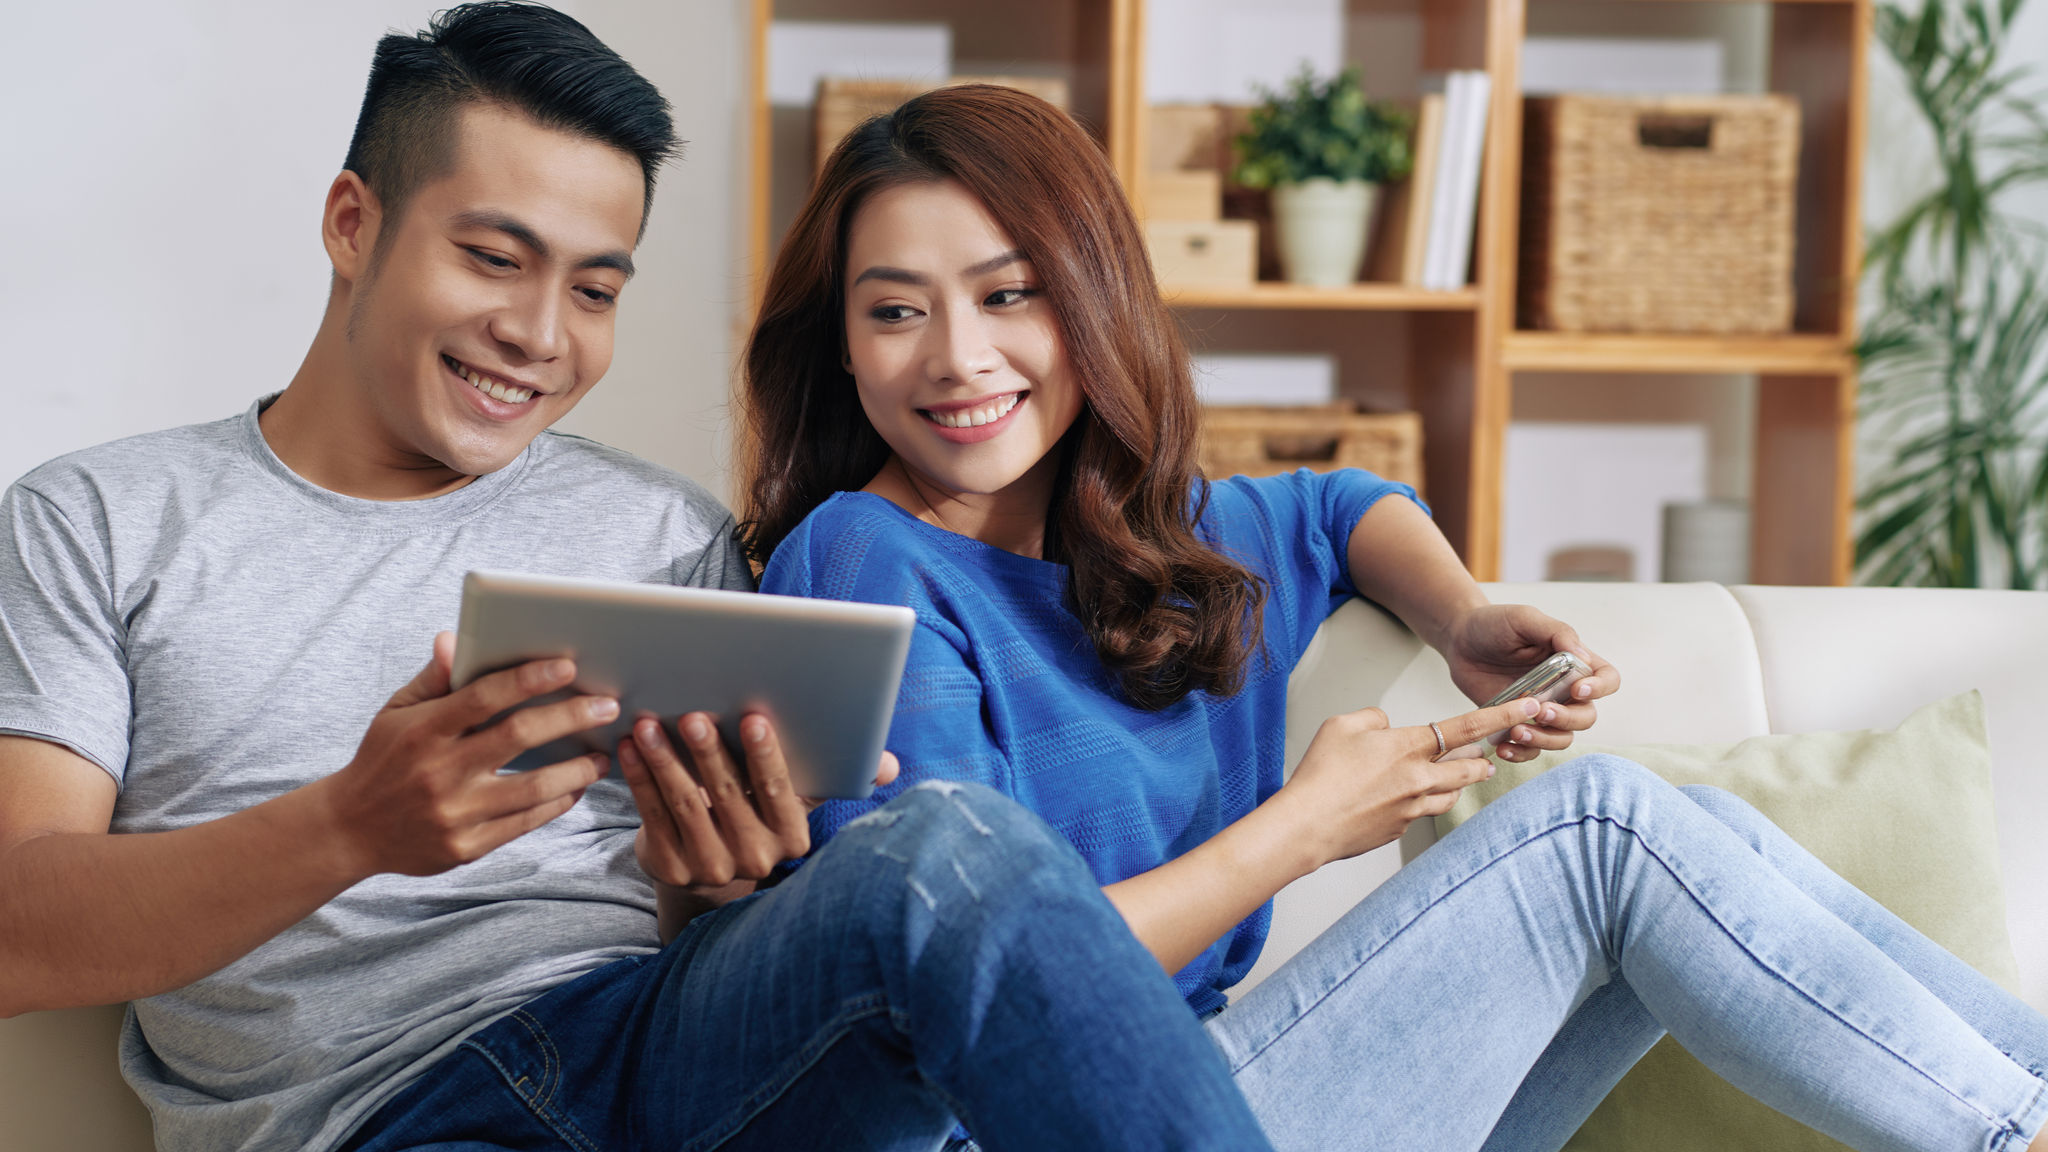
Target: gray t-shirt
(184,611)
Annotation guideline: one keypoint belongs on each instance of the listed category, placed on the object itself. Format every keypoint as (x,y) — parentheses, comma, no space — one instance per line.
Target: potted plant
(1954,346)
(1324,150)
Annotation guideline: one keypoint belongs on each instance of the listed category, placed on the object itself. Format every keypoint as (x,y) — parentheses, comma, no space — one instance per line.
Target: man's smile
(494,388)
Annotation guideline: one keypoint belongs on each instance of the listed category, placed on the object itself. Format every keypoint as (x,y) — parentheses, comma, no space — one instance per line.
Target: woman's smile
(974,421)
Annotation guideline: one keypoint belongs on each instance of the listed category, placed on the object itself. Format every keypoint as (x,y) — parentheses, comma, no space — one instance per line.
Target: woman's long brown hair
(1165,611)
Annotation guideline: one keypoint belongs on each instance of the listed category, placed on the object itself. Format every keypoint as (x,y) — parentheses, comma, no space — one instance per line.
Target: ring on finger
(1437,732)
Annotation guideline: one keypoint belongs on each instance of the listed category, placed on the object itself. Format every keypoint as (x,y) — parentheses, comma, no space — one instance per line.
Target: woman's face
(954,348)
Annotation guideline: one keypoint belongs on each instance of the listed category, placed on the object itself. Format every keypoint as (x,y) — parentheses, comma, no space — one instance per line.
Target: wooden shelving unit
(1454,356)
(1292,297)
(1571,352)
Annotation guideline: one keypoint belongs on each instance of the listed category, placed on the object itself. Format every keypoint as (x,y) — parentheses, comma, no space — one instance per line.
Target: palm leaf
(1955,345)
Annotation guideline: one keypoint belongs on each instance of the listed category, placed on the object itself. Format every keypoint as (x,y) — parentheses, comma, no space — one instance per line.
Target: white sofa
(1700,663)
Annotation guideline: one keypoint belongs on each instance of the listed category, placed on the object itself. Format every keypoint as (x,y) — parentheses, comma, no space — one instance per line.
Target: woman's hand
(1488,647)
(1361,783)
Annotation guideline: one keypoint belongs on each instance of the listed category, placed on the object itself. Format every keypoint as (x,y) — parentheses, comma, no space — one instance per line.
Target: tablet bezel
(825,672)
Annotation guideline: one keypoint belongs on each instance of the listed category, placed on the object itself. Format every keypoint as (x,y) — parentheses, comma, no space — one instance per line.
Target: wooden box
(1259,441)
(1185,137)
(844,103)
(1184,195)
(1051,89)
(1669,214)
(1203,253)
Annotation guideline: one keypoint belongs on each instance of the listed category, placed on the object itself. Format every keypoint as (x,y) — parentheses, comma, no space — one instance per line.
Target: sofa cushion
(1858,657)
(1905,815)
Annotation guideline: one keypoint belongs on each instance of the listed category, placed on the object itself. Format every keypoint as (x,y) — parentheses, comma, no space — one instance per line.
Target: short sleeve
(721,564)
(63,664)
(1293,530)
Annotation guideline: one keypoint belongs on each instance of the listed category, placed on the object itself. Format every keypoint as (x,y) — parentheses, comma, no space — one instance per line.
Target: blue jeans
(1493,991)
(946,956)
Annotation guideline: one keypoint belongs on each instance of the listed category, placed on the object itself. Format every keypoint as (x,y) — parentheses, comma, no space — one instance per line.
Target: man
(338,924)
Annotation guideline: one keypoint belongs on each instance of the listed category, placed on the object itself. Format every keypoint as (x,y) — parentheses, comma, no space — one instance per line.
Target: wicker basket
(1255,441)
(1659,215)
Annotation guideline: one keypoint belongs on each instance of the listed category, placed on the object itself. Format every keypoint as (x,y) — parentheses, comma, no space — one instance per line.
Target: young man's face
(490,310)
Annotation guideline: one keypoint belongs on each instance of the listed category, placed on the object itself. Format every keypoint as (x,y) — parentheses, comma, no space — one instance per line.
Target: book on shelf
(1403,242)
(1454,202)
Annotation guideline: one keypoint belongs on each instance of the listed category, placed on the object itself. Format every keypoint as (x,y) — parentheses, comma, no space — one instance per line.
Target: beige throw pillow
(1904,814)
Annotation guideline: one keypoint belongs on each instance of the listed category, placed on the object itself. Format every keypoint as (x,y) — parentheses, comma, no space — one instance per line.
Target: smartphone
(1549,682)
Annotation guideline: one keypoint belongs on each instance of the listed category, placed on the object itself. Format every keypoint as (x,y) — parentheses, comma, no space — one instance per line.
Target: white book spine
(1465,209)
(1437,255)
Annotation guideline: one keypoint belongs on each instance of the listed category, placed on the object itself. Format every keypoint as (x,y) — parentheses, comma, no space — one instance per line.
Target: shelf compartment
(1296,297)
(1796,353)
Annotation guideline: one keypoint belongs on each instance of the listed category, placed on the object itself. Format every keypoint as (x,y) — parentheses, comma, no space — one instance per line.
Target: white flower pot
(1322,229)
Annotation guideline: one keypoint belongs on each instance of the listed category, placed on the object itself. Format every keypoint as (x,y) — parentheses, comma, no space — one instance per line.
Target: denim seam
(2016,1138)
(2002,1130)
(550,1068)
(539,1104)
(851,1012)
(901,1023)
(1767,853)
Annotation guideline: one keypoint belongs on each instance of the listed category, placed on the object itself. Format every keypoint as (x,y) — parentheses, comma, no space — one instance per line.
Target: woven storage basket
(1659,215)
(1256,441)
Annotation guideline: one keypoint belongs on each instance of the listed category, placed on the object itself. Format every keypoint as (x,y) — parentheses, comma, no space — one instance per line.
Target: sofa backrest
(60,1090)
(1701,663)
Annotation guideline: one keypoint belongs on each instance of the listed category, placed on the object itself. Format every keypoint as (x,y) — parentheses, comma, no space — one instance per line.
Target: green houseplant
(1955,340)
(1324,149)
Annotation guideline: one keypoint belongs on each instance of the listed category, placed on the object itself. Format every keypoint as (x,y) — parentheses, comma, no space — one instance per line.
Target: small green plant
(1955,341)
(1323,128)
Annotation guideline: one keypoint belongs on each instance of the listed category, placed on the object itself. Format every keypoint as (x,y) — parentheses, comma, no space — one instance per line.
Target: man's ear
(349,225)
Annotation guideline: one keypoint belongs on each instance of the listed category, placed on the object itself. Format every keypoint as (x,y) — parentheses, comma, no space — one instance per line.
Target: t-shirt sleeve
(63,664)
(1294,529)
(721,564)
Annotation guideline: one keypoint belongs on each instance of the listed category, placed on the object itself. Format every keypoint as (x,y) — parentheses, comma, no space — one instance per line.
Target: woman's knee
(1612,788)
(1601,777)
(972,837)
(1732,811)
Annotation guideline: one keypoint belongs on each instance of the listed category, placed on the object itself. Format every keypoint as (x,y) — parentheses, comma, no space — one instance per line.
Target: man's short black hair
(524,56)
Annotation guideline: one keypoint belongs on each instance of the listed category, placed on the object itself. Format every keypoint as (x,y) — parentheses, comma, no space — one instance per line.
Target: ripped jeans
(945,956)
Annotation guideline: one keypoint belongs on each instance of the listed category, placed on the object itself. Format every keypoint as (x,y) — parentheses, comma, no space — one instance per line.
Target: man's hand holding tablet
(804,688)
(824,671)
(709,829)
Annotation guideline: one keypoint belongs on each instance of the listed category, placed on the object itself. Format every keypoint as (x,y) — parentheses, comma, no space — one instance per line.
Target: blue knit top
(1003,687)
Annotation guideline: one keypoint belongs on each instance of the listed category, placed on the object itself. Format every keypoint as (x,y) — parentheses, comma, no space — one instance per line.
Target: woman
(965,395)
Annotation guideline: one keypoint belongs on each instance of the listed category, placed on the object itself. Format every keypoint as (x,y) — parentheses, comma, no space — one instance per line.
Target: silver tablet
(824,671)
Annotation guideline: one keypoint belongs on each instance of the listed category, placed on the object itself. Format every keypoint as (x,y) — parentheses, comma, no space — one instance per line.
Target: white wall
(164,167)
